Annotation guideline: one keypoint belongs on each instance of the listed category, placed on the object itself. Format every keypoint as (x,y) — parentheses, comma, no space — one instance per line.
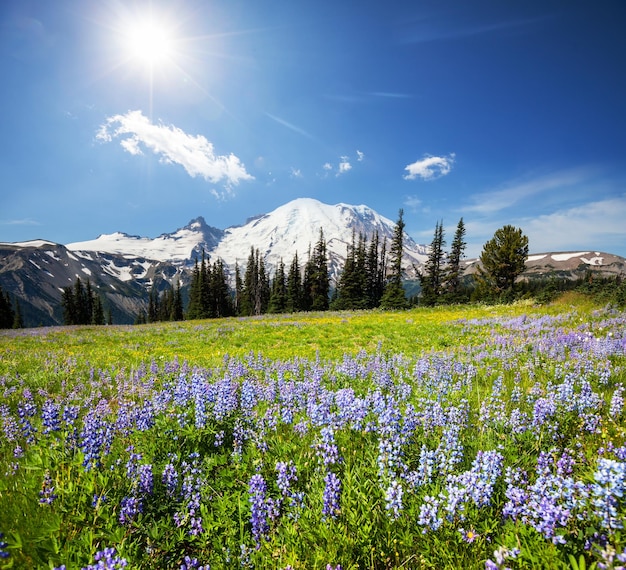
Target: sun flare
(149,42)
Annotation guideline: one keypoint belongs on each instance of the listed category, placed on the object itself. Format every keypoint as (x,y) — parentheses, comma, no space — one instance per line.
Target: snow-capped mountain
(184,244)
(295,228)
(289,229)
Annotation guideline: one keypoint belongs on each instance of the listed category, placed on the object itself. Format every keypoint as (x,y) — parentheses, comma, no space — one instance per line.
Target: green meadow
(452,437)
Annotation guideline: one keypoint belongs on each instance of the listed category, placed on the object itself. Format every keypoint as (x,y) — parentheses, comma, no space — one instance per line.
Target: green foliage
(431,280)
(393,296)
(81,305)
(502,260)
(481,361)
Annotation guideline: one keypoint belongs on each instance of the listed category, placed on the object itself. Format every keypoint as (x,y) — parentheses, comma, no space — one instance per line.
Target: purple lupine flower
(285,475)
(608,491)
(617,403)
(3,545)
(393,498)
(332,496)
(170,479)
(95,439)
(327,449)
(257,491)
(130,507)
(193,564)
(429,514)
(50,416)
(47,490)
(107,560)
(146,479)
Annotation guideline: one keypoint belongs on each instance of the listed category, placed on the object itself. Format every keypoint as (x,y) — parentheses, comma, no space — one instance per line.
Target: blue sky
(139,116)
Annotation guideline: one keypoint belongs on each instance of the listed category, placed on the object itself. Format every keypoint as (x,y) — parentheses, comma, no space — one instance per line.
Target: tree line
(10,312)
(82,305)
(372,277)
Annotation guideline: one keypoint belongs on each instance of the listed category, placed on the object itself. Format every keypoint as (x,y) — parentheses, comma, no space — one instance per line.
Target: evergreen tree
(177,307)
(316,280)
(373,282)
(18,321)
(250,285)
(220,293)
(7,316)
(97,315)
(206,301)
(393,295)
(194,309)
(81,306)
(278,296)
(263,291)
(453,271)
(502,260)
(431,280)
(153,304)
(238,290)
(293,301)
(352,290)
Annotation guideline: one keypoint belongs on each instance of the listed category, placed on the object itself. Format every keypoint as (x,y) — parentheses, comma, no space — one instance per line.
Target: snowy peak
(182,245)
(295,228)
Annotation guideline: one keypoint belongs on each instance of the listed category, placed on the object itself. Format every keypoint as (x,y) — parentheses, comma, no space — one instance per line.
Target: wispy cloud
(296,173)
(360,156)
(440,29)
(595,225)
(193,152)
(413,203)
(290,126)
(20,222)
(515,192)
(430,167)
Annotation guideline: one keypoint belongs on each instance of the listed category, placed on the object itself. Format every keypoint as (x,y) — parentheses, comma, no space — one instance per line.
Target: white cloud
(360,156)
(344,166)
(413,203)
(327,166)
(430,167)
(515,192)
(296,173)
(596,225)
(194,153)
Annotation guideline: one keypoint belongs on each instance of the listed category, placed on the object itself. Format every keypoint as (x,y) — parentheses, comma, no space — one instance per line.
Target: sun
(149,42)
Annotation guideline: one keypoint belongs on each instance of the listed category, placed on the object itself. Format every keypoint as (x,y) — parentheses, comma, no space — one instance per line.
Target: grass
(327,335)
(257,392)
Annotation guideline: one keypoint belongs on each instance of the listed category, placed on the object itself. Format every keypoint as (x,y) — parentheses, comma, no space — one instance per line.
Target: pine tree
(375,271)
(194,309)
(220,293)
(316,279)
(177,307)
(153,304)
(205,289)
(453,271)
(431,279)
(18,321)
(352,287)
(7,316)
(293,302)
(393,295)
(238,290)
(97,315)
(278,296)
(502,260)
(69,306)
